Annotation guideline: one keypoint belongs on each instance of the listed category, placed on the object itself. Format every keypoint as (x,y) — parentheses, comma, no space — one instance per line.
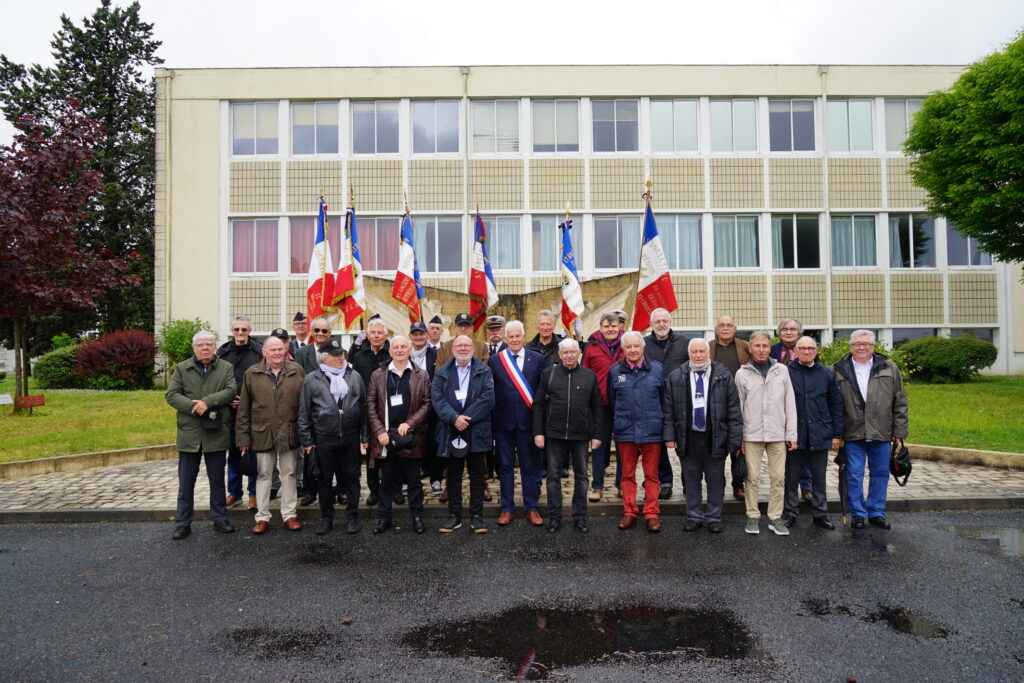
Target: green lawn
(986,414)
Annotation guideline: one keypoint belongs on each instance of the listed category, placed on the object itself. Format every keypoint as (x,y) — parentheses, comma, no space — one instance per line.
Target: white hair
(244,319)
(633,334)
(697,340)
(545,314)
(402,337)
(760,333)
(568,343)
(806,338)
(515,324)
(377,322)
(862,333)
(203,334)
(658,311)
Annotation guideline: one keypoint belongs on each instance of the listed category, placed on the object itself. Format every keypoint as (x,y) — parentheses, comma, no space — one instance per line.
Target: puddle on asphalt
(269,643)
(868,540)
(823,607)
(908,621)
(534,641)
(1010,541)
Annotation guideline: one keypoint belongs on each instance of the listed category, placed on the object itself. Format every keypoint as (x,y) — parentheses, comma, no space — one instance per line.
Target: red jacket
(597,358)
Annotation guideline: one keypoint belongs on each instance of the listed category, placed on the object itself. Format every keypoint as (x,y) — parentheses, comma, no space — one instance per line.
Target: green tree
(100,64)
(967,149)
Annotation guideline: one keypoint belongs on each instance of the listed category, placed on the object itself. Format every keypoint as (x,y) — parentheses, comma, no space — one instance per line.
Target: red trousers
(650,453)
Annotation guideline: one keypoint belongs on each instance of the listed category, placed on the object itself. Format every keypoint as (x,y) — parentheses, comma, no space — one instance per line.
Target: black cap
(436,320)
(375,316)
(494,322)
(299,316)
(280,333)
(417,327)
(463,319)
(333,347)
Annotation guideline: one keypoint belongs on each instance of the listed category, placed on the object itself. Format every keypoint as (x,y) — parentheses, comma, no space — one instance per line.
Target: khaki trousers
(285,460)
(754,453)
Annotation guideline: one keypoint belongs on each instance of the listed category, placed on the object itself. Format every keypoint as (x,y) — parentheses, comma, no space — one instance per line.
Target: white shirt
(863,372)
(693,394)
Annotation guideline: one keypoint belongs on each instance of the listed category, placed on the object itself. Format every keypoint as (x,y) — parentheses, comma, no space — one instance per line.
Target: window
(556,126)
(795,242)
(314,128)
(302,231)
(680,238)
(616,242)
(496,126)
(379,239)
(911,240)
(674,125)
(547,243)
(435,127)
(733,125)
(985,333)
(616,125)
(845,334)
(791,125)
(905,334)
(899,114)
(853,241)
(438,241)
(503,244)
(849,126)
(736,242)
(375,127)
(254,246)
(254,128)
(962,250)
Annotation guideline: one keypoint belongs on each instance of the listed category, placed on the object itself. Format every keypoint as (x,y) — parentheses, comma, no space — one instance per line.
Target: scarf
(610,347)
(339,387)
(702,367)
(420,357)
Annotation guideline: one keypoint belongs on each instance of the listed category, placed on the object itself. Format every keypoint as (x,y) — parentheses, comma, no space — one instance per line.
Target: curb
(85,461)
(436,511)
(967,456)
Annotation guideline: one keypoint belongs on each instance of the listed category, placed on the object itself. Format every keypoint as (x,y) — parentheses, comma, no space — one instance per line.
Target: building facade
(779,191)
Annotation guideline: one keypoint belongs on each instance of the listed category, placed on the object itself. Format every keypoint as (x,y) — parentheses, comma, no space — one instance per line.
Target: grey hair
(568,343)
(660,310)
(402,337)
(515,324)
(862,333)
(698,340)
(610,317)
(799,325)
(547,313)
(633,334)
(760,333)
(203,334)
(376,322)
(244,319)
(806,338)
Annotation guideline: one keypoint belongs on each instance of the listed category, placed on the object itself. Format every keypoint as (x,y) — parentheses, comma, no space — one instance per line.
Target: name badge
(698,402)
(461,395)
(396,400)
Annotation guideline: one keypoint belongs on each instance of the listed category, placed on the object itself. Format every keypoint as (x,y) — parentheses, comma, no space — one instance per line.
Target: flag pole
(323,252)
(646,196)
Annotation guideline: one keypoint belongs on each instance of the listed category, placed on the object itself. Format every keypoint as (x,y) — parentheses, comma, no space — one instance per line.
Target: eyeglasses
(321,330)
(807,348)
(725,325)
(202,344)
(862,344)
(239,329)
(790,329)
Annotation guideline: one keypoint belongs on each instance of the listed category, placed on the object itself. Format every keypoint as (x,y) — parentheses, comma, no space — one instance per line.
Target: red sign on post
(30,401)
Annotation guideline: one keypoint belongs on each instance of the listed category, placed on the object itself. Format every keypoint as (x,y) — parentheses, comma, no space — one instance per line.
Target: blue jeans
(599,456)
(234,476)
(876,453)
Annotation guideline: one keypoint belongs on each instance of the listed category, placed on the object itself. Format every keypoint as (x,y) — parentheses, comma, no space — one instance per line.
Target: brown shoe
(806,495)
(232,501)
(292,524)
(252,502)
(653,525)
(627,522)
(504,518)
(260,528)
(533,517)
(738,493)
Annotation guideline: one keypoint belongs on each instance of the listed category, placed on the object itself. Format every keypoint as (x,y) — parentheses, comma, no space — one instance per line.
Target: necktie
(494,349)
(698,413)
(519,360)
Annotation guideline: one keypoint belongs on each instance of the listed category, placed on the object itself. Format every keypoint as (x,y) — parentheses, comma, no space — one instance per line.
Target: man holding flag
(655,287)
(408,290)
(483,292)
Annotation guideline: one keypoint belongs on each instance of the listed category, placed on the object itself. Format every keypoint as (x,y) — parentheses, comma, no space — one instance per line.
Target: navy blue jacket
(819,405)
(478,406)
(510,413)
(634,396)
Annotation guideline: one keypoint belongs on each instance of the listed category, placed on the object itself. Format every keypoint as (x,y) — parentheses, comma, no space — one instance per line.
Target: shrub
(176,338)
(56,370)
(941,360)
(829,354)
(119,360)
(61,340)
(3,375)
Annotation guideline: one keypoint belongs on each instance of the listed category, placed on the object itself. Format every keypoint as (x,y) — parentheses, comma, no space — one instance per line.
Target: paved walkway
(152,487)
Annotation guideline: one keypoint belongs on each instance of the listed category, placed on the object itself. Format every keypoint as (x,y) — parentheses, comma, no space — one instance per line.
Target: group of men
(306,410)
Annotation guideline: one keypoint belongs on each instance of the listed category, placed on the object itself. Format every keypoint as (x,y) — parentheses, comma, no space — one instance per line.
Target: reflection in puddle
(533,641)
(1009,541)
(869,540)
(268,643)
(906,621)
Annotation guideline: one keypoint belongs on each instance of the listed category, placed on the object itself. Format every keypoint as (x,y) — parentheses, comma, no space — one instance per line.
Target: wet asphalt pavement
(124,601)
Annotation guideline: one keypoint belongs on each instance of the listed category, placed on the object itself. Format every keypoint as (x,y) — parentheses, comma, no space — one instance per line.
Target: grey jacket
(319,415)
(884,416)
(768,403)
(216,389)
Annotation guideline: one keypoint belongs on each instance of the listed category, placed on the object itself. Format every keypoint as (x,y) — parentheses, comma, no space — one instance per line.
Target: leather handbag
(899,462)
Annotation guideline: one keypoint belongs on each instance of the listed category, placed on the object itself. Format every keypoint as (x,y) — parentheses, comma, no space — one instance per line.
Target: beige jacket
(768,404)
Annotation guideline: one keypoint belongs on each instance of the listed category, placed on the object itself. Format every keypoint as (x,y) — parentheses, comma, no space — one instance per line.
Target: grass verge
(984,414)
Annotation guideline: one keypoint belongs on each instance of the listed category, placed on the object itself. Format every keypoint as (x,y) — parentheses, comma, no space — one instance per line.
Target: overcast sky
(234,33)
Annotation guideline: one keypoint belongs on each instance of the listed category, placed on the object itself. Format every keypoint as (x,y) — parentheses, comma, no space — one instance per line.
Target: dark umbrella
(840,460)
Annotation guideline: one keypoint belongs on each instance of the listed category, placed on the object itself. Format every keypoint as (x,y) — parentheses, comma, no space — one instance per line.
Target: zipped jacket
(768,403)
(884,416)
(567,404)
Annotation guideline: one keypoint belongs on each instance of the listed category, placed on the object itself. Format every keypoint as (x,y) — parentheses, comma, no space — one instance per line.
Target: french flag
(320,284)
(572,293)
(407,290)
(483,292)
(349,294)
(655,288)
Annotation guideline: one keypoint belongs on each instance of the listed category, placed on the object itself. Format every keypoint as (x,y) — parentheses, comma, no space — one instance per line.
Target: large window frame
(727,116)
(495,125)
(323,137)
(546,243)
(958,244)
(796,241)
(737,240)
(378,120)
(616,242)
(248,121)
(504,242)
(912,234)
(439,243)
(788,122)
(851,125)
(301,233)
(557,130)
(675,125)
(254,248)
(854,241)
(615,122)
(681,240)
(899,113)
(426,138)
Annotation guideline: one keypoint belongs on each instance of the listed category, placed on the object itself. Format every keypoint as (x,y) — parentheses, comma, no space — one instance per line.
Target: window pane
(669,234)
(326,128)
(924,241)
(895,124)
(629,242)
(838,127)
(861,139)
(568,125)
(779,132)
(423,127)
(721,126)
(545,239)
(543,126)
(725,241)
(782,242)
(363,133)
(627,131)
(956,247)
(503,242)
(605,242)
(807,254)
(301,248)
(243,128)
(842,241)
(899,241)
(685,125)
(424,231)
(604,125)
(747,241)
(803,125)
(483,127)
(745,125)
(387,127)
(266,246)
(661,126)
(448,126)
(507,126)
(864,240)
(266,128)
(449,244)
(303,132)
(242,242)
(689,242)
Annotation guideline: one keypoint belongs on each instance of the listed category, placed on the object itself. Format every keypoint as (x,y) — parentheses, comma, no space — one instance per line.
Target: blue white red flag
(572,293)
(349,294)
(483,292)
(320,284)
(408,290)
(655,288)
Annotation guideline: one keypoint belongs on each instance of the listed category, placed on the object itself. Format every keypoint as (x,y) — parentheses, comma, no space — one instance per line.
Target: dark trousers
(372,477)
(600,456)
(698,464)
(433,464)
(188,470)
(510,446)
(796,462)
(234,475)
(739,469)
(474,462)
(338,458)
(559,452)
(395,471)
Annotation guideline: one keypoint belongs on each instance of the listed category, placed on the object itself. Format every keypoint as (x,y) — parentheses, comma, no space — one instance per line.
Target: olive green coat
(216,389)
(268,410)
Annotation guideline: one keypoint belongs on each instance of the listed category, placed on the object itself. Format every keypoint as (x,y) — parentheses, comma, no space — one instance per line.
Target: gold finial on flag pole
(351,197)
(568,210)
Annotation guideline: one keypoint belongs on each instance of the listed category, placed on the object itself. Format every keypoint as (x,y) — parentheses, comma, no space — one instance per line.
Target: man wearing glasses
(321,334)
(242,351)
(875,414)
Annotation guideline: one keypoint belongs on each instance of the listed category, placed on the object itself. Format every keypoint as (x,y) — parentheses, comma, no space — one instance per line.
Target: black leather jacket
(318,412)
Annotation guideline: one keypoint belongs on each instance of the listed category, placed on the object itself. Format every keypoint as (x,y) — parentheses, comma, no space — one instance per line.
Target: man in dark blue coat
(516,372)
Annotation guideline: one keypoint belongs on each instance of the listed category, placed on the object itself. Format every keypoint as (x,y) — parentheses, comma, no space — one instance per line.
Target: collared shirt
(518,357)
(634,367)
(706,372)
(863,372)
(275,375)
(463,375)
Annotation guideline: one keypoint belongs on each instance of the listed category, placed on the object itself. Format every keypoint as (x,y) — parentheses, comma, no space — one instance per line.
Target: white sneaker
(753,525)
(778,527)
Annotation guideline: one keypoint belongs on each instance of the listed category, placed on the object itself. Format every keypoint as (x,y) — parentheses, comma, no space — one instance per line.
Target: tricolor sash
(517,377)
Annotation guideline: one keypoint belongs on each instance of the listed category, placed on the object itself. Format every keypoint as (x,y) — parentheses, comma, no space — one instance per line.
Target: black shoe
(342,499)
(181,532)
(324,527)
(478,525)
(352,526)
(554,524)
(451,525)
(308,499)
(372,499)
(382,526)
(400,499)
(714,527)
(417,525)
(223,526)
(692,525)
(824,523)
(665,493)
(789,521)
(857,522)
(581,526)
(881,522)
(274,493)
